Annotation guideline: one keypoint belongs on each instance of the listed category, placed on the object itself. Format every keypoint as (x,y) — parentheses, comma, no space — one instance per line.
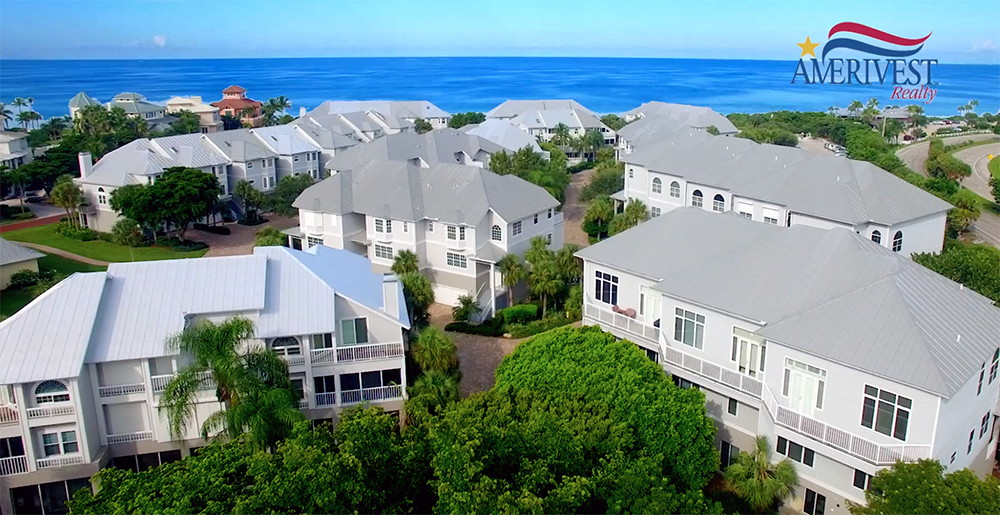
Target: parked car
(33,197)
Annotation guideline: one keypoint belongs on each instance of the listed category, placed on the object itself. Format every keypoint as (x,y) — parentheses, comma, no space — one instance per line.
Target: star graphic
(808,47)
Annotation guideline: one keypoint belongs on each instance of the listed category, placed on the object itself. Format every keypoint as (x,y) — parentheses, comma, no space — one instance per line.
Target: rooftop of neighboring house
(240,145)
(11,253)
(450,193)
(550,119)
(695,116)
(408,109)
(135,103)
(193,104)
(329,138)
(285,139)
(505,134)
(512,108)
(827,186)
(131,310)
(651,130)
(8,136)
(831,293)
(83,100)
(434,147)
(234,89)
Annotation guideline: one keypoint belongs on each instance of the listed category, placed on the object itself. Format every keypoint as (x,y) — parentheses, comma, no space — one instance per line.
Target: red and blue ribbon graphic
(876,34)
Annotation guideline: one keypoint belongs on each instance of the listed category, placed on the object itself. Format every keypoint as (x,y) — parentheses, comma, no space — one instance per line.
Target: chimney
(390,295)
(302,111)
(86,163)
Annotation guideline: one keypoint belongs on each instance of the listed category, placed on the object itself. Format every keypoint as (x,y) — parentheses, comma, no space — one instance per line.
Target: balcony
(303,403)
(58,461)
(381,393)
(322,356)
(294,360)
(125,389)
(52,411)
(160,382)
(8,415)
(326,399)
(13,465)
(730,378)
(369,352)
(876,454)
(620,321)
(137,436)
(87,208)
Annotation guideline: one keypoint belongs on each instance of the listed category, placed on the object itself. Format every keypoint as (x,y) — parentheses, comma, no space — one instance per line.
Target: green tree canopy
(288,189)
(186,195)
(422,126)
(463,119)
(186,122)
(103,130)
(613,121)
(975,266)
(270,237)
(923,487)
(758,481)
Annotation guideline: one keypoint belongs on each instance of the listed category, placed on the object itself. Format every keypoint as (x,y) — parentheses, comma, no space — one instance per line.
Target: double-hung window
(383,251)
(383,226)
(993,367)
(689,328)
(354,331)
(606,289)
(654,212)
(517,228)
(50,444)
(796,452)
(675,189)
(886,412)
(771,216)
(452,232)
(456,260)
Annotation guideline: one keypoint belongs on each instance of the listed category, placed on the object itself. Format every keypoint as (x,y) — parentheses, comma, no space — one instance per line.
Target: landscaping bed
(99,249)
(56,268)
(520,321)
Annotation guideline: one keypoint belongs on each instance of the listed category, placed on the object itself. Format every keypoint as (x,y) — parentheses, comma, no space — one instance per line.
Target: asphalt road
(915,155)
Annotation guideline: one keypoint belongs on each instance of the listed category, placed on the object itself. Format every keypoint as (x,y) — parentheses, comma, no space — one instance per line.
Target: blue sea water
(479,83)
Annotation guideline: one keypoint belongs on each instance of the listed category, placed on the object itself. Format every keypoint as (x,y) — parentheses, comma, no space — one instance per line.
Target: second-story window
(51,391)
(657,185)
(606,288)
(383,226)
(993,368)
(718,203)
(804,385)
(886,412)
(102,198)
(452,232)
(517,228)
(249,164)
(550,212)
(536,218)
(697,198)
(296,158)
(675,190)
(430,226)
(495,233)
(689,328)
(286,346)
(354,331)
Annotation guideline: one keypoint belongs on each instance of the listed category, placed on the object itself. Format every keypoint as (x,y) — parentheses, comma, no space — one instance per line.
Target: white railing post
(13,465)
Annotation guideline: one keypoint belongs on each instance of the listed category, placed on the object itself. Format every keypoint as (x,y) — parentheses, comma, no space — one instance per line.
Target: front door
(802,392)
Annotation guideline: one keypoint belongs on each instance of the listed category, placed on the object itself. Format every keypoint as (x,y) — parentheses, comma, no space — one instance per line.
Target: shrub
(214,229)
(27,215)
(481,330)
(579,167)
(77,233)
(520,314)
(574,303)
(182,246)
(466,309)
(552,321)
(126,233)
(23,279)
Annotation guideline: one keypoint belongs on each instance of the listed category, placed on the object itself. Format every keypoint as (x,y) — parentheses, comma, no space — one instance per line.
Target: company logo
(910,78)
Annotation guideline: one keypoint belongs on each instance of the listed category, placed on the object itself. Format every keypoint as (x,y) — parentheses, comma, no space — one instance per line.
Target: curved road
(987,228)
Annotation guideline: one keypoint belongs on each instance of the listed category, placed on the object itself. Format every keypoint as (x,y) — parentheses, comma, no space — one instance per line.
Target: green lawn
(994,166)
(951,149)
(13,300)
(99,250)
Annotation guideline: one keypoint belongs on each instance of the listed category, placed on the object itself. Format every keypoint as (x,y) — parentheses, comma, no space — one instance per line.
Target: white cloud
(984,46)
(160,41)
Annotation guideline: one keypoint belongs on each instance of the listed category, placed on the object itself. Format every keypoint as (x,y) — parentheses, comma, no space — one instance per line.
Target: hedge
(481,330)
(214,229)
(552,321)
(520,314)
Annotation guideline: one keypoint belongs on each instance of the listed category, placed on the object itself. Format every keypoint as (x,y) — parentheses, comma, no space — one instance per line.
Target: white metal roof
(11,252)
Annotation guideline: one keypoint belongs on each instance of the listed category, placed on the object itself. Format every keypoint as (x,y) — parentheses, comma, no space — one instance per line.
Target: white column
(493,290)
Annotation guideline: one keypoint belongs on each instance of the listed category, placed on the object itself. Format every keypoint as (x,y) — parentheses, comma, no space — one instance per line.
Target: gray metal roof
(11,252)
(397,108)
(832,293)
(452,193)
(83,100)
(571,118)
(512,108)
(47,339)
(825,186)
(285,139)
(434,147)
(652,130)
(240,145)
(503,133)
(694,116)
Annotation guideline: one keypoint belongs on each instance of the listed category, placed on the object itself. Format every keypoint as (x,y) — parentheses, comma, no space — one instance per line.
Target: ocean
(457,84)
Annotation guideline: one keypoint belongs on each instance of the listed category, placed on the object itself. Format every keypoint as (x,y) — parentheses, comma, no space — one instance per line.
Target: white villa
(14,149)
(459,219)
(136,106)
(505,134)
(440,146)
(846,355)
(693,116)
(513,108)
(368,120)
(83,394)
(208,115)
(80,101)
(539,119)
(786,187)
(261,156)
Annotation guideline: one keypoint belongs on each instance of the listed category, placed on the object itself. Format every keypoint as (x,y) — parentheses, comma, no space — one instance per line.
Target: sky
(963,31)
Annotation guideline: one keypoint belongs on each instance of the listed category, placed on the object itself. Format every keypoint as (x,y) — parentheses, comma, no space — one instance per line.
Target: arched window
(719,203)
(877,237)
(675,190)
(101,197)
(51,391)
(897,241)
(696,199)
(496,234)
(286,346)
(657,186)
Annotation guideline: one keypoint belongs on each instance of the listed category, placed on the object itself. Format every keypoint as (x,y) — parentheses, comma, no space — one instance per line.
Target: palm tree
(569,268)
(24,118)
(67,195)
(19,177)
(513,272)
(973,104)
(855,107)
(6,114)
(405,262)
(419,295)
(545,281)
(560,135)
(251,382)
(31,106)
(430,394)
(758,481)
(248,113)
(56,126)
(434,350)
(19,103)
(466,309)
(832,110)
(594,140)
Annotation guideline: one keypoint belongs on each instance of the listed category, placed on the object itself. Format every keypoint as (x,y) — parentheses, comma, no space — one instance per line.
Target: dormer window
(51,391)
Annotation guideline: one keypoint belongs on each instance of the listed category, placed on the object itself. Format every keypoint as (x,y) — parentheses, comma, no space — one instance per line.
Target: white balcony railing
(623,322)
(731,378)
(370,351)
(137,436)
(8,415)
(58,461)
(326,399)
(160,382)
(322,356)
(303,403)
(13,465)
(294,359)
(125,389)
(50,411)
(381,393)
(874,453)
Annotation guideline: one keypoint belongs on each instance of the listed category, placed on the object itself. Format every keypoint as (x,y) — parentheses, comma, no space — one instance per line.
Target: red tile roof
(234,89)
(236,104)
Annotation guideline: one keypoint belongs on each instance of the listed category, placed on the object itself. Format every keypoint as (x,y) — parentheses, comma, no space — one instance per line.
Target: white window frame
(657,186)
(102,198)
(496,233)
(312,241)
(383,226)
(654,212)
(453,233)
(430,226)
(718,205)
(675,189)
(517,228)
(606,287)
(456,260)
(897,241)
(697,194)
(748,353)
(54,395)
(382,251)
(693,325)
(354,331)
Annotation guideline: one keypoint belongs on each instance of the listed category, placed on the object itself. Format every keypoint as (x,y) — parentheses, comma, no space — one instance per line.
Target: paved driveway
(240,240)
(478,356)
(574,210)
